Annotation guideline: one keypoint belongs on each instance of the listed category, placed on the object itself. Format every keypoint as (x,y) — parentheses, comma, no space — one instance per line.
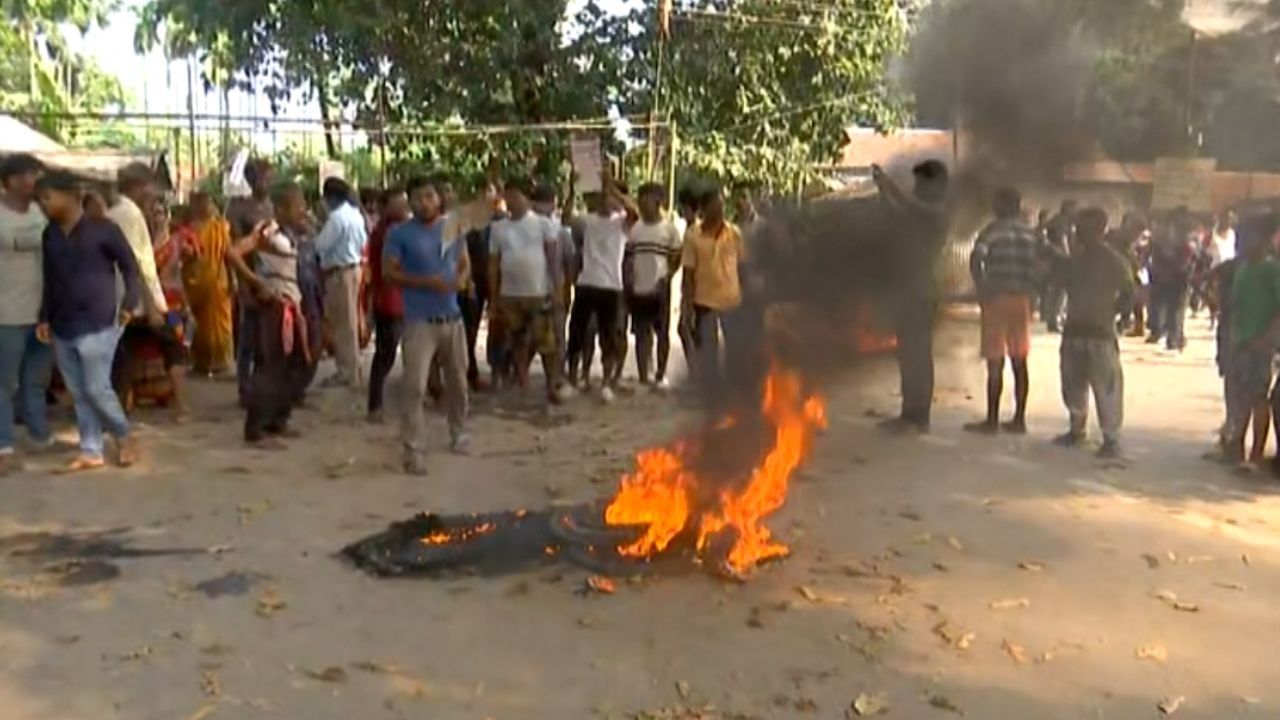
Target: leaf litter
(868,705)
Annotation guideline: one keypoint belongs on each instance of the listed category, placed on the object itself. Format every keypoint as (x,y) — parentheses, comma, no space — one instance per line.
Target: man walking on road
(79,314)
(340,245)
(26,364)
(427,258)
(1096,277)
(1006,270)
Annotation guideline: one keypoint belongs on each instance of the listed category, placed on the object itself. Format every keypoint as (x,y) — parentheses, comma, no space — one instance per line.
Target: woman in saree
(208,285)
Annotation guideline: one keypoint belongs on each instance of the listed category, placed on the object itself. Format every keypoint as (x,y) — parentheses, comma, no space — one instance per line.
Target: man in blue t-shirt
(428,260)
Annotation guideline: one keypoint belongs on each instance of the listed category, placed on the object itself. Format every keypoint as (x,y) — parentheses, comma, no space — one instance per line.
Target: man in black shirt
(1059,234)
(80,317)
(922,218)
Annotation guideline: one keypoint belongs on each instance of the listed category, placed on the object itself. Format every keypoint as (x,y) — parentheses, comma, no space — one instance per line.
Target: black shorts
(649,313)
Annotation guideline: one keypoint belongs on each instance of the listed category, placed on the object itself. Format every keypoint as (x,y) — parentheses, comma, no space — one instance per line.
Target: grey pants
(1093,364)
(421,343)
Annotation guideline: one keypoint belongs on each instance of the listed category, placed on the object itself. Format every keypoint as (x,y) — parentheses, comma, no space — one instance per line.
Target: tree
(39,74)
(762,90)
(401,62)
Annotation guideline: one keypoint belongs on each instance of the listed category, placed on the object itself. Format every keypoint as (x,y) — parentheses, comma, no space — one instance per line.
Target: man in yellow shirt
(713,250)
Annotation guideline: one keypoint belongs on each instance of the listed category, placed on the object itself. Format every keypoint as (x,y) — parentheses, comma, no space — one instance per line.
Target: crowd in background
(125,294)
(1092,283)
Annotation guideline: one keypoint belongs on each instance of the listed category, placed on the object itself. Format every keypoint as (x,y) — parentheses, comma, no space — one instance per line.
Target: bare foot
(127,452)
(84,463)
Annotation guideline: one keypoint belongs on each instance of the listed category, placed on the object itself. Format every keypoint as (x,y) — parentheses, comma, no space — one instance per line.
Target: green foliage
(765,92)
(1137,102)
(761,100)
(40,74)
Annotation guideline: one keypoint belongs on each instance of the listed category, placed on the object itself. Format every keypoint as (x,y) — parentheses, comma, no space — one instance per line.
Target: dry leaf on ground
(270,603)
(1154,652)
(868,705)
(957,639)
(942,702)
(1015,651)
(807,593)
(1230,586)
(1167,596)
(204,712)
(1031,566)
(1169,706)
(602,585)
(955,543)
(1186,607)
(682,689)
(210,685)
(1153,562)
(1011,604)
(140,654)
(330,675)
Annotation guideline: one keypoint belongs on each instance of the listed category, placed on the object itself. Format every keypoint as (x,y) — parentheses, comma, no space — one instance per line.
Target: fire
(445,537)
(660,494)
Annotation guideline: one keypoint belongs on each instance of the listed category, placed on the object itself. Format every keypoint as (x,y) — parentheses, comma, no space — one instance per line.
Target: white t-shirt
(522,247)
(21,270)
(604,242)
(133,224)
(1222,248)
(651,248)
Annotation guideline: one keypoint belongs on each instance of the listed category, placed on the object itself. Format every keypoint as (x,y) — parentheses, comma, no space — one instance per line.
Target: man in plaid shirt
(1007,268)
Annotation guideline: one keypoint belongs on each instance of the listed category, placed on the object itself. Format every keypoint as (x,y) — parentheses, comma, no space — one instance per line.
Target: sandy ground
(1049,572)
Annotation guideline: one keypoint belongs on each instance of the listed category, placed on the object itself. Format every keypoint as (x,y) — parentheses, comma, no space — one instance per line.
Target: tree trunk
(322,96)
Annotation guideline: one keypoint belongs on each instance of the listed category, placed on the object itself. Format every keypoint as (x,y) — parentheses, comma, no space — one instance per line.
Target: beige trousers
(421,343)
(342,310)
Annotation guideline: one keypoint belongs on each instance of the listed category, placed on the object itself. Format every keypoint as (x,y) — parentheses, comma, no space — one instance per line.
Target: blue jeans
(86,363)
(26,367)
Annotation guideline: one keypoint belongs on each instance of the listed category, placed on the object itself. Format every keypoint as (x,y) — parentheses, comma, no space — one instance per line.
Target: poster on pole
(585,151)
(332,169)
(1183,182)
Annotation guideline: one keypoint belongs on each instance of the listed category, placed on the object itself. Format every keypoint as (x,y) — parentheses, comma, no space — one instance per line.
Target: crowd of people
(1092,283)
(128,294)
(124,296)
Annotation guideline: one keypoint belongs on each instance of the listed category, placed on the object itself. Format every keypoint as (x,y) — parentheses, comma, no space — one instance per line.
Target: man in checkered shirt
(1007,268)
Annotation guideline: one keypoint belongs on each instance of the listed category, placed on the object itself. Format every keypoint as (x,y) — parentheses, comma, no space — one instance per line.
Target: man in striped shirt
(1006,268)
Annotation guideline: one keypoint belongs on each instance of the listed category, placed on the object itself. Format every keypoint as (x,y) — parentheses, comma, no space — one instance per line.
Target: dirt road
(999,578)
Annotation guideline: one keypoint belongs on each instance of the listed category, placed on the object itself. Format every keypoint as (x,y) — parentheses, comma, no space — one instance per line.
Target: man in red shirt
(387,302)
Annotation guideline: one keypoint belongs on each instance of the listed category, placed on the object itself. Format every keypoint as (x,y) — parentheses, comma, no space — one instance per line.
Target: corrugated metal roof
(18,137)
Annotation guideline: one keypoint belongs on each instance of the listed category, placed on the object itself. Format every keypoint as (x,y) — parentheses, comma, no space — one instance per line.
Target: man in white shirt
(653,255)
(26,364)
(564,265)
(340,246)
(521,281)
(1222,247)
(136,185)
(599,288)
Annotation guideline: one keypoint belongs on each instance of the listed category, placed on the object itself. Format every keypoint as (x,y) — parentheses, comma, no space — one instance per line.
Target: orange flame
(444,537)
(659,494)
